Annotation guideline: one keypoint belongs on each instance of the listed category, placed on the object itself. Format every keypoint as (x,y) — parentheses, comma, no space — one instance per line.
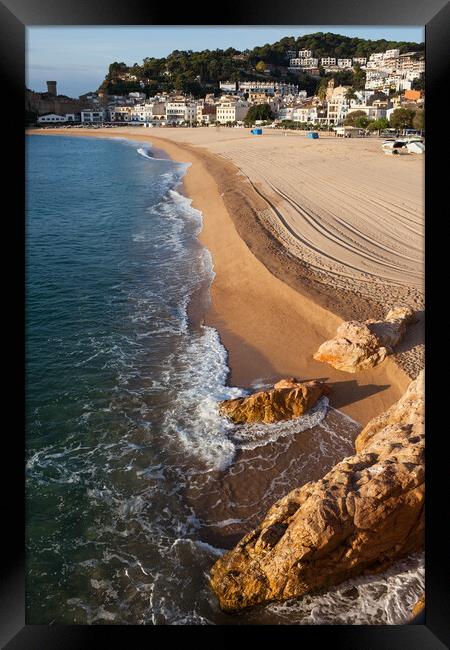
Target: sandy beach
(303,234)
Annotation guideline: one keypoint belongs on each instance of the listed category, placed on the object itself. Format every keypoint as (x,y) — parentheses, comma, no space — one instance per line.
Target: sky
(78,57)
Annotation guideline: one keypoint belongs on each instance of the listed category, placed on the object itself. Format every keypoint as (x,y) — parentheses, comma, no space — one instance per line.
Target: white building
(360,60)
(73,117)
(269,87)
(372,112)
(51,118)
(148,112)
(92,116)
(286,112)
(391,54)
(329,60)
(337,106)
(409,63)
(228,86)
(305,114)
(305,54)
(181,111)
(137,96)
(120,113)
(231,111)
(344,63)
(304,63)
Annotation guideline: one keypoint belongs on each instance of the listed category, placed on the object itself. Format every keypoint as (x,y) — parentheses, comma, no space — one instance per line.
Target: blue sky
(78,57)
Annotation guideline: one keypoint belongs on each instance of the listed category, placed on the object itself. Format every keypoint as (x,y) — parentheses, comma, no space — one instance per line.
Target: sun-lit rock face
(287,399)
(365,513)
(360,345)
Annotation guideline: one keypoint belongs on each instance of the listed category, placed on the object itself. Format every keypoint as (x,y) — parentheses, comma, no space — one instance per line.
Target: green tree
(419,83)
(258,112)
(378,125)
(359,78)
(419,120)
(402,118)
(350,94)
(357,118)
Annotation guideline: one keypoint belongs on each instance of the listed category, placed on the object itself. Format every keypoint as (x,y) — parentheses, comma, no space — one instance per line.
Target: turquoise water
(127,458)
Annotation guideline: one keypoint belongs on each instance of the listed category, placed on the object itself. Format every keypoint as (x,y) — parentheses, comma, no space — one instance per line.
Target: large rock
(364,514)
(358,346)
(287,399)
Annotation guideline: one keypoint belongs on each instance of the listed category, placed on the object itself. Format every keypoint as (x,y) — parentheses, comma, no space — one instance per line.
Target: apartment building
(286,112)
(337,105)
(392,54)
(344,63)
(328,61)
(305,54)
(92,116)
(148,112)
(136,96)
(305,62)
(409,63)
(206,114)
(305,114)
(231,111)
(228,86)
(120,113)
(181,111)
(268,87)
(360,60)
(372,112)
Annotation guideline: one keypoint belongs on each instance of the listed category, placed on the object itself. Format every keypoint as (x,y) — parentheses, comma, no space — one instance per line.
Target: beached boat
(403,146)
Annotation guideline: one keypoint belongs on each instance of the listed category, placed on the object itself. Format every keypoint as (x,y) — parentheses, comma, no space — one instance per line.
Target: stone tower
(51,88)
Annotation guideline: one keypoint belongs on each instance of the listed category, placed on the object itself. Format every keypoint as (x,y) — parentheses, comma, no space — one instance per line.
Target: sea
(135,485)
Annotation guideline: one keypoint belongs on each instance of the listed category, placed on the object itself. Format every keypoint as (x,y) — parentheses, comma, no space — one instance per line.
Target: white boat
(416,147)
(403,146)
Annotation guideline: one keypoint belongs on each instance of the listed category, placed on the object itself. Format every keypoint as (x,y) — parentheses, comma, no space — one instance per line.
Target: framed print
(222,241)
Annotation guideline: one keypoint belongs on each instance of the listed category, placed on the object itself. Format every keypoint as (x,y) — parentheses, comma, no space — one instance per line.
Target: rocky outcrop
(418,608)
(358,346)
(364,514)
(287,399)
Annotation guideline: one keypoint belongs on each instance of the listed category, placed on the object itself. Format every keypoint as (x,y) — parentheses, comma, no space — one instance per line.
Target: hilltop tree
(206,68)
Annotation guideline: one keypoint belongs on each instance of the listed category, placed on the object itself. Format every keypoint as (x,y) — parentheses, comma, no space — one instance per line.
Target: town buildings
(389,85)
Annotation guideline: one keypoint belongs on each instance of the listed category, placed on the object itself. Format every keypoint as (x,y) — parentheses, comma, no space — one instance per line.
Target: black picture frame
(430,631)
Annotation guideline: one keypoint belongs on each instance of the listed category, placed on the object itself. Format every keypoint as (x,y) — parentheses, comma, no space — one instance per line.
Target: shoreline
(269,327)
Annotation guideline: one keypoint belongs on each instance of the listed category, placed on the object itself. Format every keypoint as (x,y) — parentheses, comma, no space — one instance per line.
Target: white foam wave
(384,599)
(145,153)
(250,436)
